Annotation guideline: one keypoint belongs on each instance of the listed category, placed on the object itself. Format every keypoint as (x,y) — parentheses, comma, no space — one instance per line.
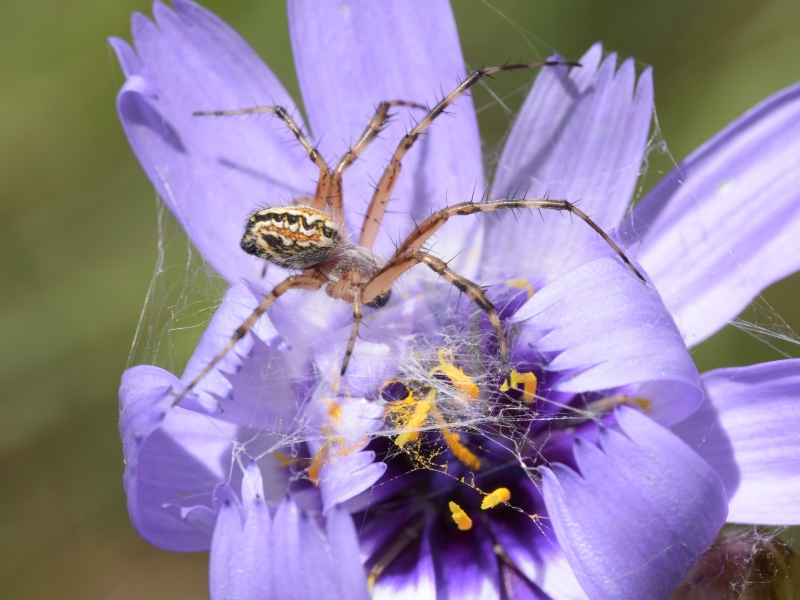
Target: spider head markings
(299,237)
(292,237)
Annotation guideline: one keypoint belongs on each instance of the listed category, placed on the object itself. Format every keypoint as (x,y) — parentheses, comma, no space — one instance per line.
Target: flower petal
(298,551)
(172,456)
(726,222)
(410,576)
(580,136)
(347,469)
(603,329)
(128,61)
(240,562)
(343,540)
(268,392)
(641,512)
(210,171)
(348,476)
(238,304)
(467,567)
(747,430)
(353,54)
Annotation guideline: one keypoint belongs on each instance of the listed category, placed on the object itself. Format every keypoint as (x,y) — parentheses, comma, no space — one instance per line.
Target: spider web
(184,292)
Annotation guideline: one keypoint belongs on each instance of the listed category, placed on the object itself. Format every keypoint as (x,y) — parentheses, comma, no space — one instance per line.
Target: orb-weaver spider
(310,235)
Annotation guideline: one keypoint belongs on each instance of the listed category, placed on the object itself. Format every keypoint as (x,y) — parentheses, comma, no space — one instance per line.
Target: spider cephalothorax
(310,235)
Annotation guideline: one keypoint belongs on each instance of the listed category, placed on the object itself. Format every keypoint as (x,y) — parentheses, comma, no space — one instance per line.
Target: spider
(310,234)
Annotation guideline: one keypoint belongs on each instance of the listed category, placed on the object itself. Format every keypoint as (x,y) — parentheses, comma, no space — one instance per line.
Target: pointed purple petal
(370,365)
(128,61)
(352,55)
(747,430)
(268,391)
(239,566)
(348,476)
(639,514)
(348,469)
(238,304)
(726,223)
(604,330)
(343,540)
(172,456)
(580,136)
(210,171)
(302,566)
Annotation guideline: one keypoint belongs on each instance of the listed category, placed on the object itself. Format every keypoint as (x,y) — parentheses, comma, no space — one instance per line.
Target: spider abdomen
(292,237)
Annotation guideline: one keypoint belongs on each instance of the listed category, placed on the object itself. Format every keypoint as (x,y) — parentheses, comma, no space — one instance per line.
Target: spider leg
(306,282)
(333,195)
(429,226)
(283,115)
(355,280)
(373,128)
(383,191)
(383,280)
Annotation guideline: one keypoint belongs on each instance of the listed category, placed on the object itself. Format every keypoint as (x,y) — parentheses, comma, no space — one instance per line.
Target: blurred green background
(78,237)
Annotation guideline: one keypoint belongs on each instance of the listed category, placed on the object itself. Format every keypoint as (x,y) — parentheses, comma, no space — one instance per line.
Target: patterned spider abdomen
(292,237)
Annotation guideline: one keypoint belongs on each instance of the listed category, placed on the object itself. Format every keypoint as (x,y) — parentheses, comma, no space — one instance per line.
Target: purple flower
(301,486)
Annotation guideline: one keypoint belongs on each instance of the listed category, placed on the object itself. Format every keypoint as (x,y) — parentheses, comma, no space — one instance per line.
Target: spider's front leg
(423,232)
(383,280)
(383,191)
(324,180)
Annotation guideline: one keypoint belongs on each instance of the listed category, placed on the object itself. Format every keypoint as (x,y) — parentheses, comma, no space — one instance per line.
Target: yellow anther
(317,462)
(460,380)
(607,404)
(461,452)
(335,412)
(528,381)
(495,498)
(283,459)
(522,284)
(460,517)
(421,410)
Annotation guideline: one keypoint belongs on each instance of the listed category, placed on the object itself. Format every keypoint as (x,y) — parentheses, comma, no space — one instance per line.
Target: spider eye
(292,237)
